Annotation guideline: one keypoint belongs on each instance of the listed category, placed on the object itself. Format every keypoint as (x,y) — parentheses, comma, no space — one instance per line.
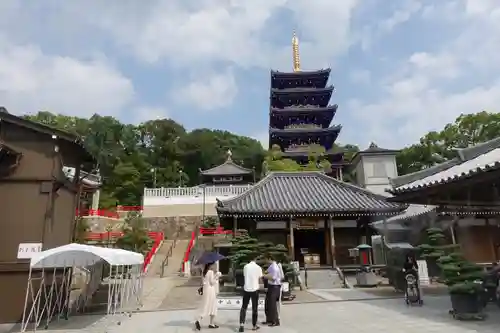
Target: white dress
(210,290)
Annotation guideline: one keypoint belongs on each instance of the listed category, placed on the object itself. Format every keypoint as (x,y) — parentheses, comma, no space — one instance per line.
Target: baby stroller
(412,290)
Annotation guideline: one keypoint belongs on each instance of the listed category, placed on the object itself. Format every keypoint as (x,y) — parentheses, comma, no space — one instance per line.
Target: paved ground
(386,316)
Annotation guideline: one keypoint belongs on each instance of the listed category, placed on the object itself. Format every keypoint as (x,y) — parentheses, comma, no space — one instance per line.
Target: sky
(400,67)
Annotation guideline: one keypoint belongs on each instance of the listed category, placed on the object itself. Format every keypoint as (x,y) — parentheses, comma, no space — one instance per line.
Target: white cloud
(199,34)
(31,81)
(431,89)
(145,113)
(360,76)
(208,92)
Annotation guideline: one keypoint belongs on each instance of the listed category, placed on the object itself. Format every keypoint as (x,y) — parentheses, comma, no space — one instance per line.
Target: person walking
(253,275)
(273,293)
(210,290)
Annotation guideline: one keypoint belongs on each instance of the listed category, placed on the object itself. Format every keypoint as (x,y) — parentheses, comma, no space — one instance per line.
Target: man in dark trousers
(273,277)
(253,275)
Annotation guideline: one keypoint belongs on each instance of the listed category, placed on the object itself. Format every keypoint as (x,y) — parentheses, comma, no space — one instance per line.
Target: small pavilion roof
(228,168)
(306,194)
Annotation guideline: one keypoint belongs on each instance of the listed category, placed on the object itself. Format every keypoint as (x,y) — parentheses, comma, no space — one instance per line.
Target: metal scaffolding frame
(48,292)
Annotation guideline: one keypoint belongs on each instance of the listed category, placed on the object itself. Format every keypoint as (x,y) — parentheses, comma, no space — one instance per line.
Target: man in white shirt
(253,275)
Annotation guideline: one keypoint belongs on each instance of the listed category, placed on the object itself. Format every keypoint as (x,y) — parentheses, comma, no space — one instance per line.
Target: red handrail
(215,231)
(188,249)
(156,245)
(157,238)
(97,212)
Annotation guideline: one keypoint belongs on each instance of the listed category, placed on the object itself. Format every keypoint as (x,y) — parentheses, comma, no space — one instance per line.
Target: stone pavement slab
(341,294)
(388,316)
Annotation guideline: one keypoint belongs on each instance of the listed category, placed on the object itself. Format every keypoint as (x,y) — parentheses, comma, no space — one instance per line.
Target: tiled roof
(313,193)
(227,168)
(468,162)
(394,222)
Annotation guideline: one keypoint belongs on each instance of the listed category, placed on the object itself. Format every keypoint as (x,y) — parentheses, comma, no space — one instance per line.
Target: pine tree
(434,249)
(460,275)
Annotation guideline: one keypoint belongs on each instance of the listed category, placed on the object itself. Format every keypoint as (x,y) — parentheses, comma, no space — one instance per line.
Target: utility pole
(153,171)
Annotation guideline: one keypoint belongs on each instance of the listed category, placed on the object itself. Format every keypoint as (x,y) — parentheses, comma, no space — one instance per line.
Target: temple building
(228,173)
(307,211)
(300,113)
(460,196)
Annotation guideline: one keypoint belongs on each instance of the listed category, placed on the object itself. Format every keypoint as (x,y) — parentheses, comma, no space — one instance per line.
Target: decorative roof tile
(298,193)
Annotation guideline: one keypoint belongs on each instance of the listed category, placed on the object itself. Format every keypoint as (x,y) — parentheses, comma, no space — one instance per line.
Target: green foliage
(436,246)
(127,153)
(460,275)
(274,161)
(246,248)
(135,235)
(243,250)
(210,222)
(436,147)
(82,227)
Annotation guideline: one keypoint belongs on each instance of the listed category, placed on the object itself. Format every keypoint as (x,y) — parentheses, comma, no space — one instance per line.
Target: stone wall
(169,225)
(103,224)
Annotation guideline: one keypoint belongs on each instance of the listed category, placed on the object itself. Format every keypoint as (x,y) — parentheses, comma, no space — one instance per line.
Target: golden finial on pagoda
(295,49)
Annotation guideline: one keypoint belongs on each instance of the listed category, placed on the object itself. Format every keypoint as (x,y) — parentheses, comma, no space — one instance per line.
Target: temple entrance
(311,239)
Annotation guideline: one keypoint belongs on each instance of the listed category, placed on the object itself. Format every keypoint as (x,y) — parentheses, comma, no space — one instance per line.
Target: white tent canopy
(79,255)
(49,293)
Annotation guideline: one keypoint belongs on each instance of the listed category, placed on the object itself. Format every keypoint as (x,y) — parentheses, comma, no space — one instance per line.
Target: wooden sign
(235,303)
(28,250)
(309,224)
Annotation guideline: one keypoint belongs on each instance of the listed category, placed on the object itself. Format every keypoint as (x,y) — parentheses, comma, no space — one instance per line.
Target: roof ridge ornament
(295,50)
(229,155)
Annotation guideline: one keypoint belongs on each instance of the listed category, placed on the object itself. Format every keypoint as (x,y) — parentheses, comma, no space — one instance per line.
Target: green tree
(437,147)
(127,153)
(135,235)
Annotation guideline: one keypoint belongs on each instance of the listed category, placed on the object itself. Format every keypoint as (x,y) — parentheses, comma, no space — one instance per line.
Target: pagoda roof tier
(300,74)
(305,130)
(303,109)
(300,79)
(228,168)
(303,91)
(323,116)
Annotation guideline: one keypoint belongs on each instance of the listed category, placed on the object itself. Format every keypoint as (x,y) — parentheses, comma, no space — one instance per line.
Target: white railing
(197,191)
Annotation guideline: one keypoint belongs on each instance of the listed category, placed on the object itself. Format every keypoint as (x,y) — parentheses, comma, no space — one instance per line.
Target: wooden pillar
(453,231)
(341,176)
(328,244)
(332,241)
(491,240)
(292,241)
(235,225)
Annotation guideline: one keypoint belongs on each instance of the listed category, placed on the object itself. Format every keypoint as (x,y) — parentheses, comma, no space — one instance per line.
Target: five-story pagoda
(300,113)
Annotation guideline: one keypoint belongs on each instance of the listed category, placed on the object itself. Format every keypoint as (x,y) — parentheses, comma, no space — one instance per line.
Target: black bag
(200,291)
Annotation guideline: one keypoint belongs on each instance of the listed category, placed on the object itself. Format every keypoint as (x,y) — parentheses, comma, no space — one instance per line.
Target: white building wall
(377,170)
(187,201)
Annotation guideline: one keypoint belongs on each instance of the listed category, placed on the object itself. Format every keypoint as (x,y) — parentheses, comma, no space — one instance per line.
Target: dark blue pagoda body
(300,114)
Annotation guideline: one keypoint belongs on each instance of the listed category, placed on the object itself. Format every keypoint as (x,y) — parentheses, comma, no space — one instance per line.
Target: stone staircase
(155,266)
(321,279)
(175,260)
